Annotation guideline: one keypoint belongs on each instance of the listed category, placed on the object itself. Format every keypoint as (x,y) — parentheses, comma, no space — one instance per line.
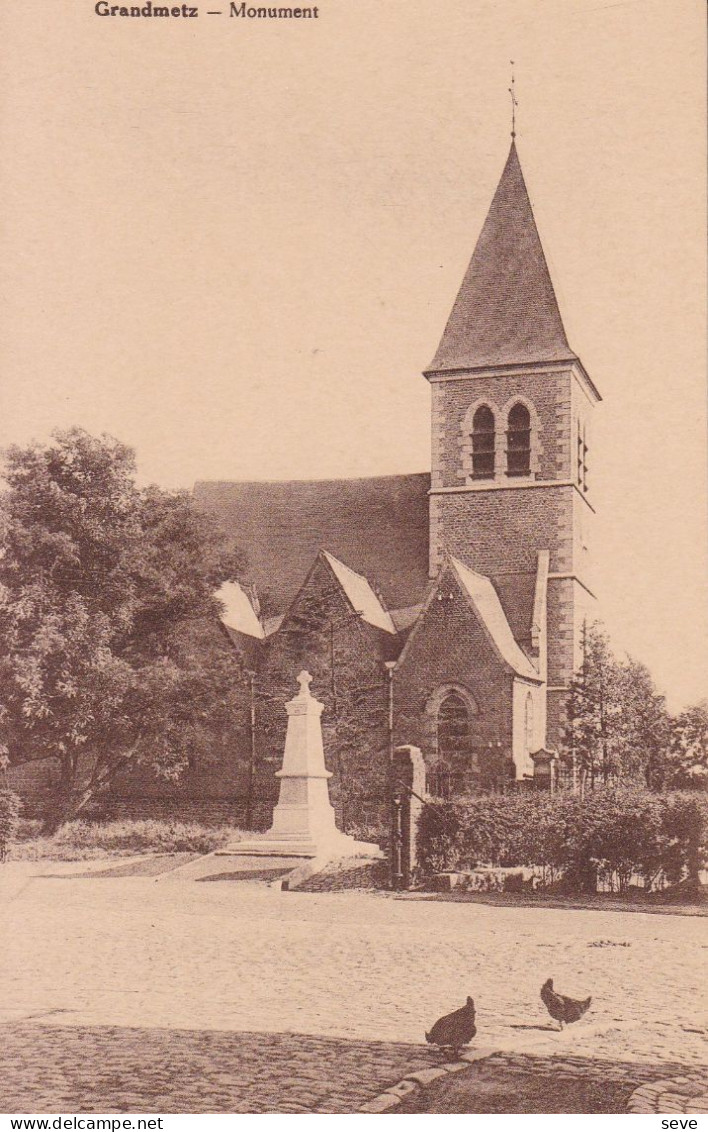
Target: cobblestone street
(131,994)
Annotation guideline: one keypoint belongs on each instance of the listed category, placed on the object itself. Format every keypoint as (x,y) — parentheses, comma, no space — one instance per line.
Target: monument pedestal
(303,820)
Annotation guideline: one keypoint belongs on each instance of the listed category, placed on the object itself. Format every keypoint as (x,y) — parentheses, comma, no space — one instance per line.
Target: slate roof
(404,619)
(239,613)
(363,599)
(489,609)
(506,310)
(378,526)
(517,593)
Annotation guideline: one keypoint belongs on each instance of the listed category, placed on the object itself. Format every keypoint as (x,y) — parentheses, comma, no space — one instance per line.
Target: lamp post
(397,839)
(252,755)
(390,665)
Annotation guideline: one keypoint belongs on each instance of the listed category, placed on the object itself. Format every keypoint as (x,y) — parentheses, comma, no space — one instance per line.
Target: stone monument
(303,820)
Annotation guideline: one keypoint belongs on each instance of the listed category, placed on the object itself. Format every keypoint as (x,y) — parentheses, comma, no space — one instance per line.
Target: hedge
(612,835)
(9,814)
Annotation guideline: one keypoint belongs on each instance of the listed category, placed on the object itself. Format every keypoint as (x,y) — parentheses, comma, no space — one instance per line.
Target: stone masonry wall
(547,394)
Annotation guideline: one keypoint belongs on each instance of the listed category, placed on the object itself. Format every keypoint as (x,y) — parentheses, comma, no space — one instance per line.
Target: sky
(234,244)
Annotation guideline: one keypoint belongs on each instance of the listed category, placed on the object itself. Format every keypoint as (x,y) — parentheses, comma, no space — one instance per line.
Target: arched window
(450,733)
(518,451)
(528,724)
(453,729)
(483,444)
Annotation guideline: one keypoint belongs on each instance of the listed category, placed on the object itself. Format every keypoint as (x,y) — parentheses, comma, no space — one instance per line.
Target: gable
(324,613)
(448,641)
(239,613)
(463,618)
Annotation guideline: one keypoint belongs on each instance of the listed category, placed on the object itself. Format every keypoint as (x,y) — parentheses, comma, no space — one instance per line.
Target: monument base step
(341,846)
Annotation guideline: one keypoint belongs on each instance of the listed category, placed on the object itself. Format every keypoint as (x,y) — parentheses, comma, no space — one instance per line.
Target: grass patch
(83,840)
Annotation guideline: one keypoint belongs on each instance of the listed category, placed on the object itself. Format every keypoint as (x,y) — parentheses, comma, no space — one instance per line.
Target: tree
(641,726)
(590,710)
(617,727)
(104,592)
(687,758)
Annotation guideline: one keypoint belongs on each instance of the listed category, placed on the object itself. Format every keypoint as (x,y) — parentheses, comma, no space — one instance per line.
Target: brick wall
(206,811)
(450,648)
(501,532)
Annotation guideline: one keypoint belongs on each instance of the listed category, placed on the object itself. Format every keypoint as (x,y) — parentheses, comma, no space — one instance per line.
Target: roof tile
(506,310)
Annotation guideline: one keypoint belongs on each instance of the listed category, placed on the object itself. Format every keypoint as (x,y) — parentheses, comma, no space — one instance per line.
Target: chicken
(560,1007)
(455,1030)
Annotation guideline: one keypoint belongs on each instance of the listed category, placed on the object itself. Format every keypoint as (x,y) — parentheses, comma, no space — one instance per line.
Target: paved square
(271,1001)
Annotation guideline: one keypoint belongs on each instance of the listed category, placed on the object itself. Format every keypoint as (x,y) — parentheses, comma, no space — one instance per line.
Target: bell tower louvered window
(518,452)
(483,444)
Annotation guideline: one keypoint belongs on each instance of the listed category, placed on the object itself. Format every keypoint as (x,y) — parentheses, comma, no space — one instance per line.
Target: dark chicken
(455,1030)
(560,1007)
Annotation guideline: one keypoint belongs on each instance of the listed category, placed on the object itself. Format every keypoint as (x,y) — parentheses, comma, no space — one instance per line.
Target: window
(453,768)
(518,452)
(453,728)
(483,444)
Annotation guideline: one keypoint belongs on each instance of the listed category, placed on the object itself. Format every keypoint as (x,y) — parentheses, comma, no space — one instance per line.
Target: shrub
(612,835)
(79,840)
(685,826)
(438,839)
(9,816)
(29,828)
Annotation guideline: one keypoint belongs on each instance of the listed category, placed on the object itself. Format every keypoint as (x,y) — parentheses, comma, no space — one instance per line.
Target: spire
(514,103)
(506,311)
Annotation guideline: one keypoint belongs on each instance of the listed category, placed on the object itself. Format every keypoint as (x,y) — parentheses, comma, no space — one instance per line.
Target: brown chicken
(562,1008)
(453,1031)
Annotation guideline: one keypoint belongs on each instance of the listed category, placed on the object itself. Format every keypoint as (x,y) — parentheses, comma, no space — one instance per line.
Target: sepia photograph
(354,560)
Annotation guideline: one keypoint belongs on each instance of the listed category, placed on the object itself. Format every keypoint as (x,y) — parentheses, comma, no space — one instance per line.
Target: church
(438,609)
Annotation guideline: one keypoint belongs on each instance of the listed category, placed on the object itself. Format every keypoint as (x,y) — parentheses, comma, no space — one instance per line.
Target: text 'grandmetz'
(103,8)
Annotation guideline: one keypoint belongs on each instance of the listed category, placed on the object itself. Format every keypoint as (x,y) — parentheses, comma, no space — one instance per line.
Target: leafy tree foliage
(617,728)
(686,764)
(105,589)
(591,710)
(641,726)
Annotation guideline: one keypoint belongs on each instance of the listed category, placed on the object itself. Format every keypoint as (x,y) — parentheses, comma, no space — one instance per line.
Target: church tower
(511,408)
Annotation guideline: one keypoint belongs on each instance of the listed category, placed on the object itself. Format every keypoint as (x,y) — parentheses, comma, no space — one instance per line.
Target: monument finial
(514,103)
(304,680)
